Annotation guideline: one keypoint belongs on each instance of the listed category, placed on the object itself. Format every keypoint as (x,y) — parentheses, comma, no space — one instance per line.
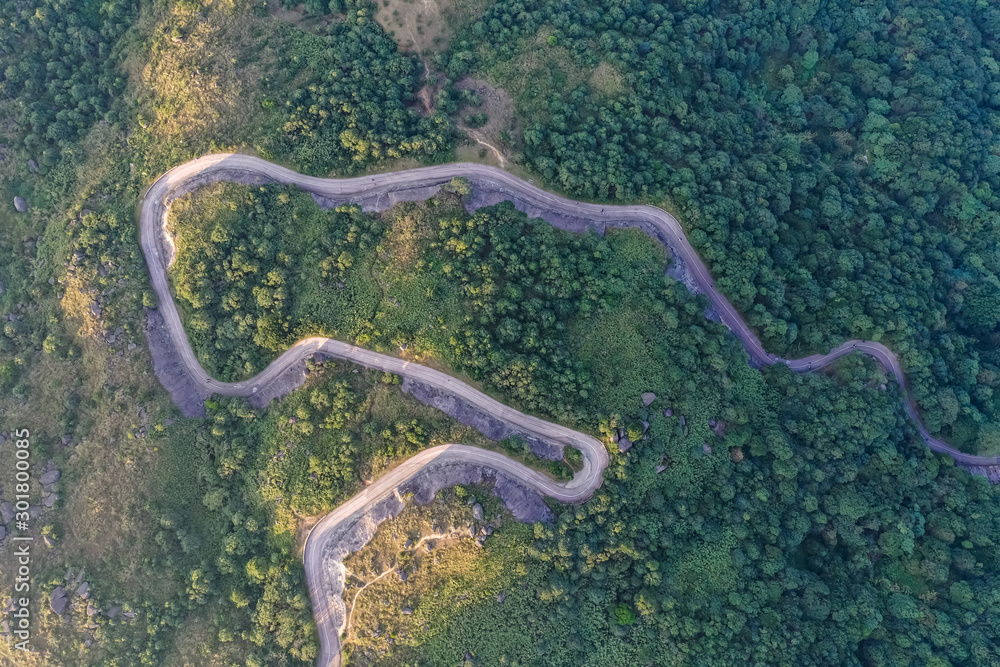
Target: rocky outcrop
(992,473)
(58,601)
(50,477)
(7,511)
(526,506)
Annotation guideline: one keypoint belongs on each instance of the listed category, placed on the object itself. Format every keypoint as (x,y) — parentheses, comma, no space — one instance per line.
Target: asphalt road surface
(159,252)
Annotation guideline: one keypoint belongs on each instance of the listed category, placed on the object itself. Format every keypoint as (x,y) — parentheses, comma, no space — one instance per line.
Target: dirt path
(322,573)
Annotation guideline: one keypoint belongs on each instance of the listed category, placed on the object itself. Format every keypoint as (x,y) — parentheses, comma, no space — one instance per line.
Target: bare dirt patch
(418,26)
(607,79)
(298,17)
(496,137)
(426,26)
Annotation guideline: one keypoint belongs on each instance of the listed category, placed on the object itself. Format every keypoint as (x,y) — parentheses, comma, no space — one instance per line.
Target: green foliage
(59,62)
(624,614)
(235,280)
(351,105)
(829,163)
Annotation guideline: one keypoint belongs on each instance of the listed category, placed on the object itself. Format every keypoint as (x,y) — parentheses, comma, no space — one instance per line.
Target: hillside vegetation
(835,164)
(754,507)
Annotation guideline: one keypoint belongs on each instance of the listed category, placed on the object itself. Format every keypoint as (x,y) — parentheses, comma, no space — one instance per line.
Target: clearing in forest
(426,26)
(497,135)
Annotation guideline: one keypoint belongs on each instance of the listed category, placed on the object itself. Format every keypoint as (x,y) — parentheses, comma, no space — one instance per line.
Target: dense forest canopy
(59,68)
(835,162)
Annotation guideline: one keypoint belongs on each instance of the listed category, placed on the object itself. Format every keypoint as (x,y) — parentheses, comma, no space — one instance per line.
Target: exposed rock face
(174,377)
(376,201)
(992,473)
(493,428)
(526,505)
(293,378)
(20,204)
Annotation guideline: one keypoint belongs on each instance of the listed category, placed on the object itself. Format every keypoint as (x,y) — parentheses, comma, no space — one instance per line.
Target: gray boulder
(92,610)
(20,204)
(648,398)
(624,445)
(7,511)
(113,611)
(32,166)
(84,590)
(58,600)
(50,477)
(3,533)
(477,512)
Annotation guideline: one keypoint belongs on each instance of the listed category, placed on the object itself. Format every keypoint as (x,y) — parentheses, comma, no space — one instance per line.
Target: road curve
(159,251)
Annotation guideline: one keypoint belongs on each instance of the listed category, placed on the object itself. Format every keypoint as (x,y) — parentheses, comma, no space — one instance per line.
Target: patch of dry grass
(608,79)
(202,75)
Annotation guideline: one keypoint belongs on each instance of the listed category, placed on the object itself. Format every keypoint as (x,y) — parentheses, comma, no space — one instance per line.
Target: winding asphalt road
(159,251)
